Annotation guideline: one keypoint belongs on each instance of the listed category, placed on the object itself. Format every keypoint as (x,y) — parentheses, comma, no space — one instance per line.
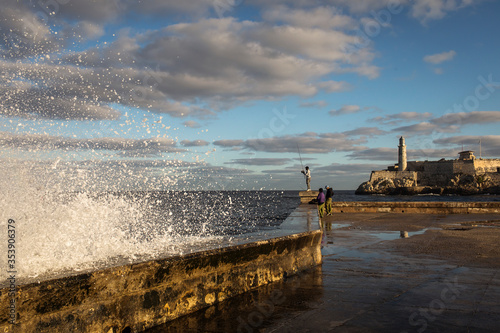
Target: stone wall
(417,207)
(135,297)
(383,174)
(483,166)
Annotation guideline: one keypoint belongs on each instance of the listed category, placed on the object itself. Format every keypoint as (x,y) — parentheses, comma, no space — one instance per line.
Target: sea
(85,231)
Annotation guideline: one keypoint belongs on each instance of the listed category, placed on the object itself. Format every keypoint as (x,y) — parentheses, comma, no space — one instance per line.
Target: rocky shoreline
(458,185)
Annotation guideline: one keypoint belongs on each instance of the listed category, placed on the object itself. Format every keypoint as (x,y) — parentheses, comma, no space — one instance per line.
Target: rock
(459,184)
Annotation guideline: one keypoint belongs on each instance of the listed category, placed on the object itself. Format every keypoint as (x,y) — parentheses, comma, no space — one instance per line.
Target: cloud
(493,140)
(425,128)
(366,131)
(440,57)
(316,104)
(348,169)
(438,71)
(334,86)
(468,118)
(347,109)
(490,144)
(192,124)
(394,119)
(228,143)
(259,161)
(422,10)
(427,10)
(37,142)
(321,144)
(324,17)
(307,143)
(448,123)
(193,69)
(375,154)
(194,143)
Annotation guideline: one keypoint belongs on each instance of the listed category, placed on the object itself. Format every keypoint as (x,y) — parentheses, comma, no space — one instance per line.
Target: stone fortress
(466,175)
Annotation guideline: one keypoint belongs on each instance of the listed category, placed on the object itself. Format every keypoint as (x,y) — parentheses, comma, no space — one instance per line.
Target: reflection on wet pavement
(364,285)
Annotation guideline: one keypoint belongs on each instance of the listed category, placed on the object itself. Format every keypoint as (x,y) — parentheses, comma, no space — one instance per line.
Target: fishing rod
(302,165)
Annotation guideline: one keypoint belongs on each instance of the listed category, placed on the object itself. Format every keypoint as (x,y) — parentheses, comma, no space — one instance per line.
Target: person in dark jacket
(329,200)
(321,203)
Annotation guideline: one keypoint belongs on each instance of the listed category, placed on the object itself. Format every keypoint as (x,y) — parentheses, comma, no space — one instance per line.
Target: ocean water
(67,231)
(216,213)
(60,232)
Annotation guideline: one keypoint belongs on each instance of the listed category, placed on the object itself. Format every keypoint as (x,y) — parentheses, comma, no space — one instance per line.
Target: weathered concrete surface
(132,298)
(416,207)
(308,196)
(444,278)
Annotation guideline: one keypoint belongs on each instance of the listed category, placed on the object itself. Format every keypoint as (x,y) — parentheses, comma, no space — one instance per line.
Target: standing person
(321,203)
(307,173)
(329,199)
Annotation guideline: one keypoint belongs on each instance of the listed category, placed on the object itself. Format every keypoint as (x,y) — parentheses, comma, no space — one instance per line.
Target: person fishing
(329,200)
(321,203)
(307,174)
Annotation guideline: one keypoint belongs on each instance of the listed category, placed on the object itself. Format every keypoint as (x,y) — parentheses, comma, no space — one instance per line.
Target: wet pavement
(380,273)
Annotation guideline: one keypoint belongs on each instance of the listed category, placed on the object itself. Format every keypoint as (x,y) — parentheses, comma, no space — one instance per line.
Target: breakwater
(134,297)
(417,207)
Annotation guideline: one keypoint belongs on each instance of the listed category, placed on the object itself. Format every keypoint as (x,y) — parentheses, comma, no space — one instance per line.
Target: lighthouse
(402,154)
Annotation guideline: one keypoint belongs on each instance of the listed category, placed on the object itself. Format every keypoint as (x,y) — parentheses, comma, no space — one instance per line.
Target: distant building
(436,173)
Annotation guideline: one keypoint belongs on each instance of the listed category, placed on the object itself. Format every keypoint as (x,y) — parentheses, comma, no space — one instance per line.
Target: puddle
(330,226)
(392,235)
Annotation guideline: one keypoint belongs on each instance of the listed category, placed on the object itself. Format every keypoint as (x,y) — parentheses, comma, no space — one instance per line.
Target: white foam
(59,231)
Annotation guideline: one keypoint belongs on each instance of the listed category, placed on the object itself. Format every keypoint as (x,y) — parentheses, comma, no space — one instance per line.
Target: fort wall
(484,166)
(376,175)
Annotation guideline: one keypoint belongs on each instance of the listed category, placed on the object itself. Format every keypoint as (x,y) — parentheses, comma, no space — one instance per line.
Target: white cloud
(324,17)
(316,104)
(438,71)
(440,57)
(425,128)
(426,10)
(467,118)
(194,143)
(192,124)
(260,161)
(397,118)
(191,69)
(37,142)
(309,143)
(346,109)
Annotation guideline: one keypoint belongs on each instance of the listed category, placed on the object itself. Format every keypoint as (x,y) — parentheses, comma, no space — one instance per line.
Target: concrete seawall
(417,207)
(132,298)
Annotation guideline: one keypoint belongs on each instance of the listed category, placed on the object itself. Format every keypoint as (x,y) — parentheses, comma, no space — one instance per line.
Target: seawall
(132,298)
(417,207)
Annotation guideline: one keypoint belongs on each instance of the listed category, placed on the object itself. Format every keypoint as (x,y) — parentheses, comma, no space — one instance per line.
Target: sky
(242,94)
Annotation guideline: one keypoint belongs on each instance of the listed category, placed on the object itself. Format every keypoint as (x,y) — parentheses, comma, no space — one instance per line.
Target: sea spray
(60,231)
